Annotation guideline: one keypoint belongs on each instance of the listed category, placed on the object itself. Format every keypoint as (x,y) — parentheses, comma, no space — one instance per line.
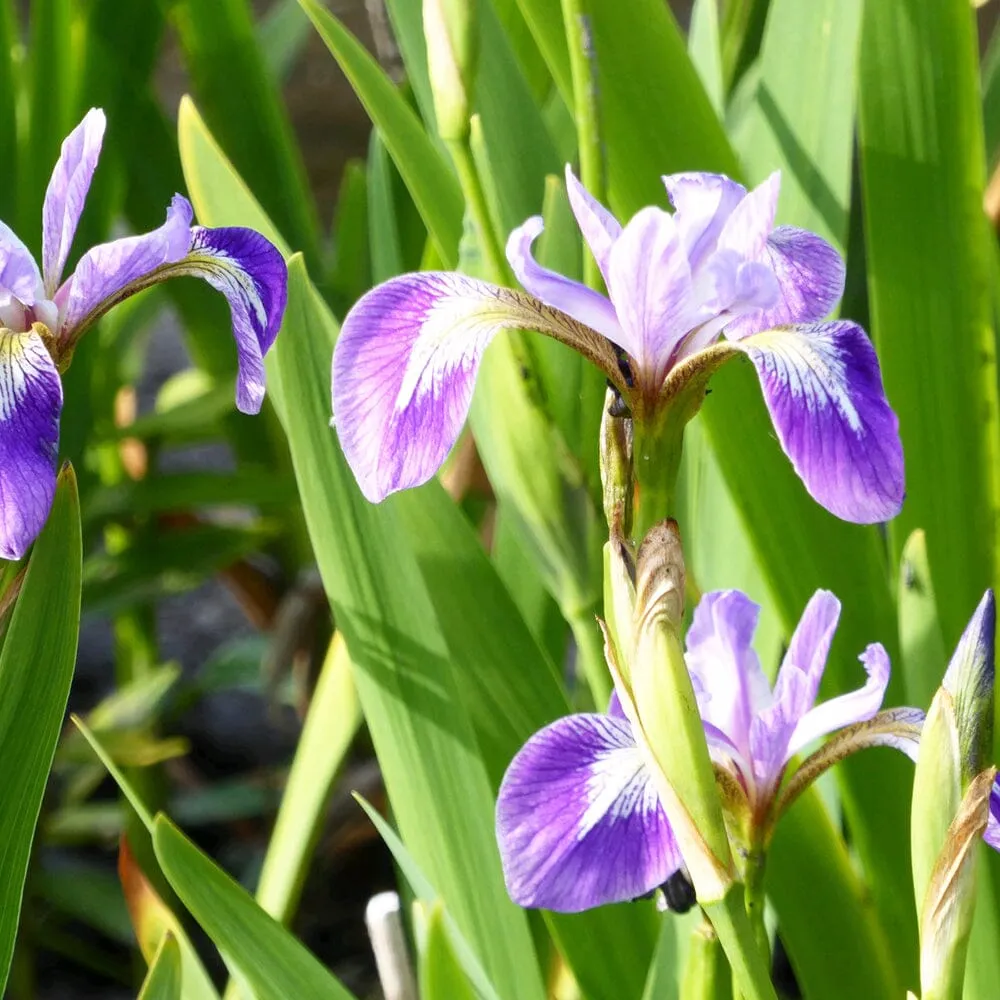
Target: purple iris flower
(406,360)
(43,316)
(579,819)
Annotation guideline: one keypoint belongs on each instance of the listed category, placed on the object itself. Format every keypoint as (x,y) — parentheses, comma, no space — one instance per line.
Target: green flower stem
(475,199)
(751,976)
(707,975)
(656,463)
(588,133)
(753,888)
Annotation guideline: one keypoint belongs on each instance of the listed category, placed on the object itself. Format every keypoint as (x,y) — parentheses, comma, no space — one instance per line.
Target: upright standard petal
(599,227)
(251,273)
(650,284)
(795,688)
(721,659)
(750,223)
(702,204)
(847,709)
(579,823)
(823,387)
(66,193)
(19,276)
(576,300)
(405,365)
(112,271)
(810,280)
(30,403)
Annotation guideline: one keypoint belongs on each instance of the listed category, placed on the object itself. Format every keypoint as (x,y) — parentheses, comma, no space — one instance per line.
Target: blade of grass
(36,667)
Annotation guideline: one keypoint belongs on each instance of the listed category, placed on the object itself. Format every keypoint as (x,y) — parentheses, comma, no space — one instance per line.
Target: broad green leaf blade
(426,893)
(350,275)
(545,22)
(331,724)
(282,35)
(929,274)
(50,72)
(107,759)
(384,244)
(440,974)
(920,641)
(256,947)
(644,79)
(163,981)
(434,774)
(810,873)
(705,48)
(427,173)
(243,107)
(511,690)
(9,32)
(36,667)
(802,120)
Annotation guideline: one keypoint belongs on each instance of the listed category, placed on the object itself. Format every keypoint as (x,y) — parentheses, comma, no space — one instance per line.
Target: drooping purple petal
(404,368)
(579,823)
(650,284)
(109,272)
(576,300)
(846,709)
(750,223)
(599,227)
(823,387)
(721,659)
(992,834)
(67,192)
(810,280)
(30,403)
(795,688)
(405,365)
(702,204)
(251,273)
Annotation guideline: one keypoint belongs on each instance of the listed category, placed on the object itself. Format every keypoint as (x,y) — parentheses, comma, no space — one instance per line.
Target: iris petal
(599,227)
(650,284)
(702,204)
(579,823)
(67,192)
(405,365)
(823,388)
(847,709)
(810,279)
(750,223)
(251,273)
(239,263)
(722,661)
(30,403)
(576,300)
(111,271)
(796,686)
(19,275)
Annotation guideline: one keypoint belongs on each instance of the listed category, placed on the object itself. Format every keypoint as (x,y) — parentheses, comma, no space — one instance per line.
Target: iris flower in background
(43,316)
(579,820)
(406,360)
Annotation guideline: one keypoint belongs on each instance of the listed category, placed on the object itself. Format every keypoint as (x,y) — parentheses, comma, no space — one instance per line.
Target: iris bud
(451,34)
(669,717)
(969,680)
